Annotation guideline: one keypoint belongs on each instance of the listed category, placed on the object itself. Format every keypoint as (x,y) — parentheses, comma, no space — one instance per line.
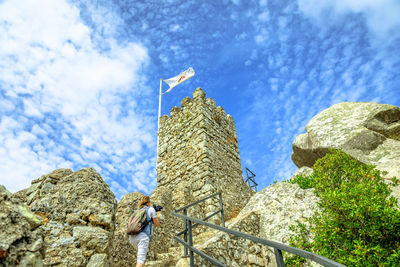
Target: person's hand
(156,222)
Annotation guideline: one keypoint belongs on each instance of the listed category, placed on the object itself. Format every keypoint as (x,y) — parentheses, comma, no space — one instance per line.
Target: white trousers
(141,242)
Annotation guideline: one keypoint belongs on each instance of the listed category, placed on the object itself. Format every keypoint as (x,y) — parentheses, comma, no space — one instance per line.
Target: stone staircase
(174,256)
(167,259)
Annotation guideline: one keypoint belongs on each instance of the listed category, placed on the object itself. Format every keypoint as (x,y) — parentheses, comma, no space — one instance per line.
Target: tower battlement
(194,106)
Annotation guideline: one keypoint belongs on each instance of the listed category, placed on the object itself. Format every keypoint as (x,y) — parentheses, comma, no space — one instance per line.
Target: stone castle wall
(198,155)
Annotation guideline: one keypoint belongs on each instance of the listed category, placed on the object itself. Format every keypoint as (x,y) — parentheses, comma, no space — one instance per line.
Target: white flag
(174,81)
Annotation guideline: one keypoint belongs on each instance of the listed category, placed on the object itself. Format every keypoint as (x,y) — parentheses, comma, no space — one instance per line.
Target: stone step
(166,257)
(156,263)
(176,250)
(183,262)
(203,237)
(174,256)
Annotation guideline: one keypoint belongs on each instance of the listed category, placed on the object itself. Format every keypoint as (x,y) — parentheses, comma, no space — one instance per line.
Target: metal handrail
(278,247)
(195,225)
(188,227)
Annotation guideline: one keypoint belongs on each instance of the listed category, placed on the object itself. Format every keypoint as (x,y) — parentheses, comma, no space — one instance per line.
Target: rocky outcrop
(369,132)
(70,216)
(80,208)
(303,171)
(21,238)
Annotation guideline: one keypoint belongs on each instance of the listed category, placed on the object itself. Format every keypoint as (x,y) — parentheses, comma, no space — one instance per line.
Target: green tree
(359,224)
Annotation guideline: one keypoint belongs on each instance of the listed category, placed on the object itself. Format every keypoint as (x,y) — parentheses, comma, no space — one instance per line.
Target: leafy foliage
(305,182)
(358,224)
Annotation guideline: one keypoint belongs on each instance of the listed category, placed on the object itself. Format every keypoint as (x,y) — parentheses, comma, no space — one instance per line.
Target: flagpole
(159,115)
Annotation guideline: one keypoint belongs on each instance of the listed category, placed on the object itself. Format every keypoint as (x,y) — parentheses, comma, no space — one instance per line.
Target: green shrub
(358,224)
(305,182)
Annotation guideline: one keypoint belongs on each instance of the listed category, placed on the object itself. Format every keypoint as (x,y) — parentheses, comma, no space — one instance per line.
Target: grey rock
(10,230)
(304,171)
(369,132)
(4,194)
(31,260)
(73,218)
(32,196)
(98,260)
(46,187)
(18,225)
(36,246)
(34,187)
(92,237)
(59,174)
(31,218)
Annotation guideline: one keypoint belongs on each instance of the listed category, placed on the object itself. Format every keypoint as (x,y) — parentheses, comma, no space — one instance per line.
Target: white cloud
(264,16)
(175,28)
(382,16)
(67,94)
(248,162)
(236,2)
(274,84)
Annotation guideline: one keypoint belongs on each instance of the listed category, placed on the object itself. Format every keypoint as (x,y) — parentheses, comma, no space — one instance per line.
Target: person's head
(144,201)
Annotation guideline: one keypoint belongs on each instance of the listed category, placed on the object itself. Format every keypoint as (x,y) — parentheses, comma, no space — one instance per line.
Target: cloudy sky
(79,80)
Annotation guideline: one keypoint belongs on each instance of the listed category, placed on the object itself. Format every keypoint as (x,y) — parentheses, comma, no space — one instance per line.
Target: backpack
(137,222)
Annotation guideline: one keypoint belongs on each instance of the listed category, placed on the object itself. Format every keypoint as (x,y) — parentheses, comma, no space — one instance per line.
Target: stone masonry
(198,155)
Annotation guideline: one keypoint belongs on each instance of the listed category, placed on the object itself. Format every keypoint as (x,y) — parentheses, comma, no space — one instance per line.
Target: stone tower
(198,155)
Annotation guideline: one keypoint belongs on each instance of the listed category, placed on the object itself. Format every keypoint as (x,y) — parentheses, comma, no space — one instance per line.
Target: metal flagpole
(159,115)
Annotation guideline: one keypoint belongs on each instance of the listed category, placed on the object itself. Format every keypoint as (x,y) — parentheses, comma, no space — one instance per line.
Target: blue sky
(79,80)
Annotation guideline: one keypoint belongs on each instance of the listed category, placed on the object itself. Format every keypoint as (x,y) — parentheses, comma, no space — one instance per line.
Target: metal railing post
(279,258)
(185,234)
(191,244)
(221,207)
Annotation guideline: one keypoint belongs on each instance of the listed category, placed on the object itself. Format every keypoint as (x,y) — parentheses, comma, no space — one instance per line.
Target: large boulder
(71,218)
(21,238)
(369,132)
(77,209)
(42,185)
